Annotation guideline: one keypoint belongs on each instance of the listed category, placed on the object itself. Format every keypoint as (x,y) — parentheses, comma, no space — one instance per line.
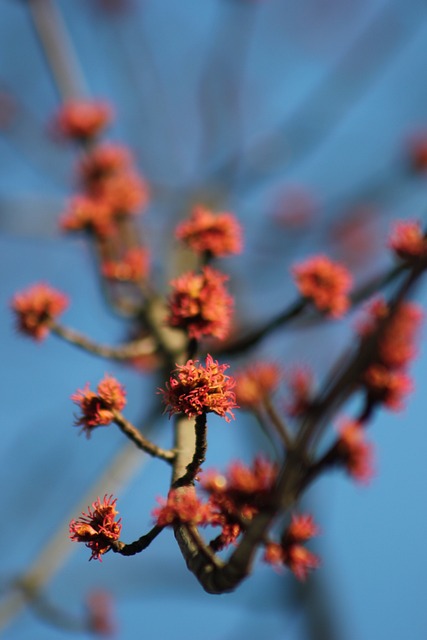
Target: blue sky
(234,101)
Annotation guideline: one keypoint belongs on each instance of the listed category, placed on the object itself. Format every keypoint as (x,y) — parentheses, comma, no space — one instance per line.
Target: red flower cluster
(299,382)
(200,304)
(194,389)
(102,161)
(82,120)
(256,383)
(386,380)
(97,408)
(181,507)
(355,453)
(133,267)
(291,552)
(325,283)
(408,241)
(111,189)
(218,234)
(98,527)
(36,307)
(238,496)
(100,613)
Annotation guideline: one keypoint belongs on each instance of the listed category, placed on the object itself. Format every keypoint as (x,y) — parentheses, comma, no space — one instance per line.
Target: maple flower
(102,161)
(36,307)
(325,283)
(200,304)
(90,214)
(356,454)
(256,383)
(239,494)
(290,551)
(300,383)
(407,240)
(100,613)
(82,120)
(125,192)
(388,386)
(181,507)
(194,389)
(98,408)
(218,234)
(98,527)
(134,266)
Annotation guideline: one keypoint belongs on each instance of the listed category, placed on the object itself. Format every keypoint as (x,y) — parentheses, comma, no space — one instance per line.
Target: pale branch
(127,351)
(199,453)
(140,440)
(279,424)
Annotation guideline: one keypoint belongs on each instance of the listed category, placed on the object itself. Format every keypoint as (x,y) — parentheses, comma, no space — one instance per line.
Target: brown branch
(141,441)
(199,454)
(137,546)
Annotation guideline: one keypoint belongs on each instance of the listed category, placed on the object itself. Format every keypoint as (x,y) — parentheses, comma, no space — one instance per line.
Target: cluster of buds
(291,551)
(98,528)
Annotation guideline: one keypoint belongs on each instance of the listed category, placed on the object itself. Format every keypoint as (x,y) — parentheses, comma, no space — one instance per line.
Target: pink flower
(256,383)
(36,307)
(97,528)
(182,506)
(98,408)
(355,452)
(194,389)
(200,304)
(325,283)
(86,213)
(134,266)
(219,234)
(82,120)
(407,241)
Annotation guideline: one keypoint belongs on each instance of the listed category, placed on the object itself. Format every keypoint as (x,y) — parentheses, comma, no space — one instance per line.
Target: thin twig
(138,545)
(141,441)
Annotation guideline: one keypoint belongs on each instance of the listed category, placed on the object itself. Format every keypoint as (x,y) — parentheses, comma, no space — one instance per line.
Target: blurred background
(305,119)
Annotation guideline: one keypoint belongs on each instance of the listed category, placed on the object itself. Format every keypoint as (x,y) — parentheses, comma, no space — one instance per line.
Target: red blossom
(125,192)
(219,234)
(100,613)
(194,389)
(290,552)
(97,528)
(256,383)
(102,161)
(98,408)
(200,304)
(36,307)
(237,496)
(133,267)
(355,453)
(86,213)
(407,241)
(300,383)
(181,507)
(387,386)
(82,120)
(325,283)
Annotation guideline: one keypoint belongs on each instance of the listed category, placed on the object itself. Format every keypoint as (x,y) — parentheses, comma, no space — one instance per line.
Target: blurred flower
(36,307)
(182,506)
(134,266)
(299,380)
(256,383)
(97,528)
(102,161)
(355,453)
(325,283)
(388,386)
(100,613)
(290,551)
(194,389)
(125,192)
(98,408)
(408,241)
(85,213)
(219,234)
(82,120)
(200,304)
